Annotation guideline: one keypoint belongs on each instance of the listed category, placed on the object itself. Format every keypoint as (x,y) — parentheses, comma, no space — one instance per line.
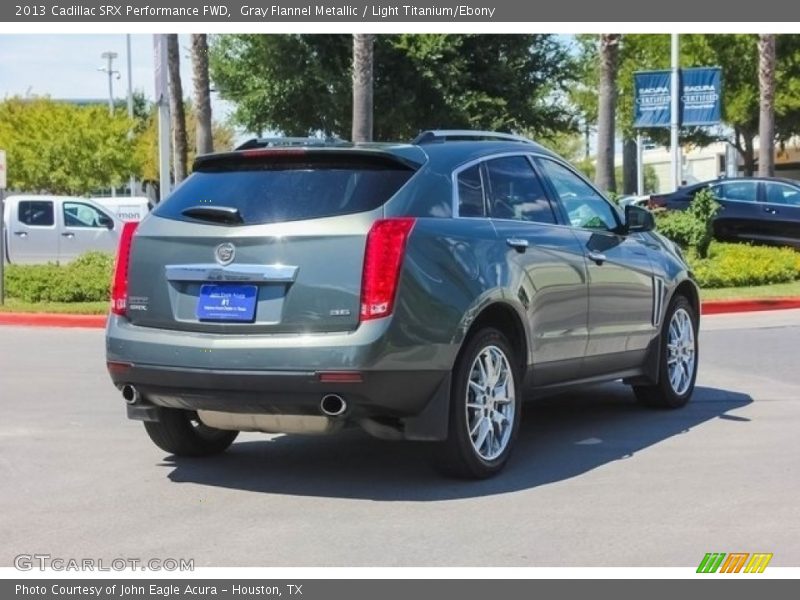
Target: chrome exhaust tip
(332,405)
(130,394)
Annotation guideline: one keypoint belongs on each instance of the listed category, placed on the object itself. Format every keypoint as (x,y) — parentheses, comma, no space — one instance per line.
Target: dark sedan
(765,210)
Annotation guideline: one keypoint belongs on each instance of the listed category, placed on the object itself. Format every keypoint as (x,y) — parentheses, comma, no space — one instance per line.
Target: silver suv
(417,290)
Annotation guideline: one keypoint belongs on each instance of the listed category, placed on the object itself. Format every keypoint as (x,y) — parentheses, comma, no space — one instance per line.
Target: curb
(719,307)
(52,320)
(711,307)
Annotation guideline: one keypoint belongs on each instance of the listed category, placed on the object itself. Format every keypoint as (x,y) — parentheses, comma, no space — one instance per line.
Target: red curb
(718,307)
(52,320)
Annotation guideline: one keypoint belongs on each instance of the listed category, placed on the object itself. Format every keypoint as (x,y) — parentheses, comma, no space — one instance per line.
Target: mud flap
(432,423)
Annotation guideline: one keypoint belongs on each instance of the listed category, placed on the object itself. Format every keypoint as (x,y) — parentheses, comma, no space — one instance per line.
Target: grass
(776,290)
(75,308)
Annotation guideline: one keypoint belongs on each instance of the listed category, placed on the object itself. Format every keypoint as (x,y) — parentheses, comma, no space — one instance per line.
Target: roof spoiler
(292,142)
(442,135)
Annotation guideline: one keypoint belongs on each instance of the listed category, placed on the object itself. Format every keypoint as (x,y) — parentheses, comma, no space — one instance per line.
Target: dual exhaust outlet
(331,405)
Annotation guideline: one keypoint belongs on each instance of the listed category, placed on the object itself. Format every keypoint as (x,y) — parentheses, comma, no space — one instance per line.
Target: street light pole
(132,183)
(674,124)
(109,70)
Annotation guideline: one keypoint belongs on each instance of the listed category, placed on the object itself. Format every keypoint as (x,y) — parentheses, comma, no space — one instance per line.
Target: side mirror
(638,219)
(106,222)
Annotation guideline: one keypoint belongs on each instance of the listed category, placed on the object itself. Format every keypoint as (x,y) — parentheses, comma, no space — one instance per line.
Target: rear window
(269,193)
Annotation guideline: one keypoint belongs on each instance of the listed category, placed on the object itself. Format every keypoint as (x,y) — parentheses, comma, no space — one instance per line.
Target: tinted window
(77,214)
(470,193)
(585,207)
(742,191)
(287,192)
(780,193)
(515,191)
(37,213)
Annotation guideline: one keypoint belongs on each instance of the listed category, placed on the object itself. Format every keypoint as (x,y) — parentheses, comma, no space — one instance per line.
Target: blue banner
(651,97)
(700,97)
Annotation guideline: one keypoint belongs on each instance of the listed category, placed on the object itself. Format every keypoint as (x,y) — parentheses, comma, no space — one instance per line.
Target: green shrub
(86,279)
(691,229)
(737,265)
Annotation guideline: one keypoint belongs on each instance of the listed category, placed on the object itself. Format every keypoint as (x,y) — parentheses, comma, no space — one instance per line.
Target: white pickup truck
(41,229)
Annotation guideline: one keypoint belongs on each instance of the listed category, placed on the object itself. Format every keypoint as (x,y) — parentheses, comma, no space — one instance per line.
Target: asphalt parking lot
(594,481)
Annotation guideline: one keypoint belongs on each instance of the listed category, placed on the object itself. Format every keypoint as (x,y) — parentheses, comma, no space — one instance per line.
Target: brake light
(274,152)
(119,285)
(383,258)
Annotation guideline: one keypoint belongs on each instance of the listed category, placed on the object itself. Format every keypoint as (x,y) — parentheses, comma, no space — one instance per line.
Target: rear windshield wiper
(217,214)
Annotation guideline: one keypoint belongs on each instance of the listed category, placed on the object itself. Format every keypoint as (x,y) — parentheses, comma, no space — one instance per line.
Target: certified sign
(2,169)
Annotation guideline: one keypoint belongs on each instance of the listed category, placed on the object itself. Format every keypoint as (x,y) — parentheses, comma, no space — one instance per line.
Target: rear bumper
(407,385)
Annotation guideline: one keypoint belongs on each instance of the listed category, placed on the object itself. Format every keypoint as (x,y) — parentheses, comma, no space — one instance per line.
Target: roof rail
(442,135)
(280,142)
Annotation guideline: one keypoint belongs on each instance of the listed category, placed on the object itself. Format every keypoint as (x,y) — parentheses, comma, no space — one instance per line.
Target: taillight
(657,201)
(383,259)
(119,285)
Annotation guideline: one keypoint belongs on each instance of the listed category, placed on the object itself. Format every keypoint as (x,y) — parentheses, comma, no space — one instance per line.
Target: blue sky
(65,66)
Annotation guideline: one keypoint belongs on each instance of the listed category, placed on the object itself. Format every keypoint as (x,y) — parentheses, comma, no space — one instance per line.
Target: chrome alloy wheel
(681,352)
(491,402)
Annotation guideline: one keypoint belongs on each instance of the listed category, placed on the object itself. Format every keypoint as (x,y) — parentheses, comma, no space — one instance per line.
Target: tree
(60,148)
(176,109)
(766,119)
(202,94)
(362,86)
(146,149)
(606,112)
(302,84)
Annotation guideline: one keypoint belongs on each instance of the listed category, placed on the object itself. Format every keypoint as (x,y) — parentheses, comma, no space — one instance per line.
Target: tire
(181,433)
(482,429)
(674,392)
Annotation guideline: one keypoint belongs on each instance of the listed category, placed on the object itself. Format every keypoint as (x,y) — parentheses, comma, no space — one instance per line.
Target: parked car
(754,209)
(417,290)
(125,208)
(41,229)
(643,201)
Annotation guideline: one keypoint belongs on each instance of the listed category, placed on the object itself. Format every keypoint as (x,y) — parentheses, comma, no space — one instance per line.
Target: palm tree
(363,45)
(606,111)
(202,93)
(766,119)
(176,108)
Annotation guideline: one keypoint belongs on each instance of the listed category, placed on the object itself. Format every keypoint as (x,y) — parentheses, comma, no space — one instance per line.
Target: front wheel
(677,369)
(180,432)
(484,408)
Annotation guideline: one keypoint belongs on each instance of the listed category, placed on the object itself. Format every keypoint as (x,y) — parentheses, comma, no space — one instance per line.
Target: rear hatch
(262,241)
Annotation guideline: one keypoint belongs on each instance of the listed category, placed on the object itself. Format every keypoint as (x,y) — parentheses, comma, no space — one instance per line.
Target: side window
(585,207)
(515,191)
(741,191)
(36,213)
(470,193)
(779,193)
(77,214)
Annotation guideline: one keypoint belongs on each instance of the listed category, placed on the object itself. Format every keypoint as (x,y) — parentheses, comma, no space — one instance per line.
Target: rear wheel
(677,369)
(181,432)
(484,408)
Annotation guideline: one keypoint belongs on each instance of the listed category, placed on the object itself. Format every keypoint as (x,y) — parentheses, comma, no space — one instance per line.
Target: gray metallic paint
(581,321)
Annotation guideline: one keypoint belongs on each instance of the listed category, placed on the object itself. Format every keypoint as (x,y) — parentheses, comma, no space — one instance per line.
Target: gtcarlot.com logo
(736,562)
(42,562)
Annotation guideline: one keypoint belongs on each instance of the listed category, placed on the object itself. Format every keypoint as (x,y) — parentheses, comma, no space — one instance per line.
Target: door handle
(22,234)
(518,244)
(68,235)
(772,211)
(597,257)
